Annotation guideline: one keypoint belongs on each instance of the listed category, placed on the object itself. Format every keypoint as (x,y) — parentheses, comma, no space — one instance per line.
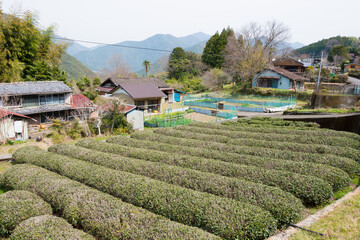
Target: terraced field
(203,181)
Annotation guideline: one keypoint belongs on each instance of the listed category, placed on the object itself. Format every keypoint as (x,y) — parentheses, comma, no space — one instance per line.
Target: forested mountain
(97,59)
(327,44)
(74,68)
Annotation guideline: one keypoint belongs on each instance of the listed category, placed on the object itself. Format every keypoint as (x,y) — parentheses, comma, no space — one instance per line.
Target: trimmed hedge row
(311,190)
(304,139)
(346,164)
(48,227)
(335,176)
(333,150)
(17,206)
(99,214)
(278,122)
(235,126)
(224,217)
(282,205)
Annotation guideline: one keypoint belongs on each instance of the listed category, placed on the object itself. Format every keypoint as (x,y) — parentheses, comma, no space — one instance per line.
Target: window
(55,98)
(52,99)
(31,101)
(61,98)
(12,101)
(152,102)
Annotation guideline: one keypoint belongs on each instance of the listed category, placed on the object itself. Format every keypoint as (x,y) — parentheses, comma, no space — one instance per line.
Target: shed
(13,126)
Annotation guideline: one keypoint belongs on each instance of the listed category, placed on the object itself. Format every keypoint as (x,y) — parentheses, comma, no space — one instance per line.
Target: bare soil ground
(202,117)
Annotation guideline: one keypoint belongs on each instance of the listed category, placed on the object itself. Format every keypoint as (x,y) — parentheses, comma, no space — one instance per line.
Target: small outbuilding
(13,126)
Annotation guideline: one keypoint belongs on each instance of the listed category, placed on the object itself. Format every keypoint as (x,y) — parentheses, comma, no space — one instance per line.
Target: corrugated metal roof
(30,88)
(156,81)
(122,108)
(4,113)
(42,109)
(141,91)
(80,101)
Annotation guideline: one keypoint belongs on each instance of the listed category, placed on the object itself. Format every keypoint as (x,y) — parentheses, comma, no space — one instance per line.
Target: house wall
(7,129)
(123,96)
(283,82)
(136,118)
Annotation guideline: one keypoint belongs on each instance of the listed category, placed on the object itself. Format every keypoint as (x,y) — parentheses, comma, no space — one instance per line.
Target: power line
(113,45)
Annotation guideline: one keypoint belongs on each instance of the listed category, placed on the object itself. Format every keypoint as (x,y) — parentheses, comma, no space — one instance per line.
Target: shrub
(282,205)
(346,164)
(225,217)
(99,214)
(287,140)
(17,206)
(278,122)
(336,177)
(48,227)
(310,190)
(236,126)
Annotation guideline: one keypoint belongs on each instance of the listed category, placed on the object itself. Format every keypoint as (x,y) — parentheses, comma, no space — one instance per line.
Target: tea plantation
(236,180)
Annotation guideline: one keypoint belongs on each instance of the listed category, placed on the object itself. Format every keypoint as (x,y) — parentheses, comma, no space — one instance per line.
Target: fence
(167,120)
(215,113)
(224,106)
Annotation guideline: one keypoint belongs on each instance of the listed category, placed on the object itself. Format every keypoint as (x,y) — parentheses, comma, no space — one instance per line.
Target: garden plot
(203,181)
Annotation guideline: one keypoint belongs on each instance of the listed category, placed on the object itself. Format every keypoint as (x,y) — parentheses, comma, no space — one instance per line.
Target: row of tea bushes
(336,177)
(97,213)
(48,227)
(225,217)
(346,164)
(311,190)
(278,122)
(17,206)
(291,138)
(234,126)
(334,150)
(284,207)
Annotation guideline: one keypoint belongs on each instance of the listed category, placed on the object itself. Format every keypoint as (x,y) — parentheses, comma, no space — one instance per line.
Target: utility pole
(316,95)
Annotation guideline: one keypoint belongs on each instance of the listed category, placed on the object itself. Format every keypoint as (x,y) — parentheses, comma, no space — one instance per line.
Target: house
(351,67)
(40,101)
(290,65)
(133,116)
(13,126)
(145,93)
(81,107)
(280,78)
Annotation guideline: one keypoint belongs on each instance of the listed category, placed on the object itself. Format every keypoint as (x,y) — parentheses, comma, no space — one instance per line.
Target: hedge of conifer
(17,206)
(311,190)
(346,164)
(282,205)
(97,213)
(48,227)
(225,217)
(335,176)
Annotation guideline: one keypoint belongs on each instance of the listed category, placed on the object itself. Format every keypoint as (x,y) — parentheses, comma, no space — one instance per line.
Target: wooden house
(290,65)
(279,78)
(351,67)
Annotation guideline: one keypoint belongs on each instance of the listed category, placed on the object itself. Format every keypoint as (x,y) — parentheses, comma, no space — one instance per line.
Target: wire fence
(215,113)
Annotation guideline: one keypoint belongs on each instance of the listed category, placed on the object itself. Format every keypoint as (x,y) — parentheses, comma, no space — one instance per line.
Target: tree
(214,48)
(118,67)
(147,66)
(27,52)
(252,50)
(183,64)
(215,78)
(338,54)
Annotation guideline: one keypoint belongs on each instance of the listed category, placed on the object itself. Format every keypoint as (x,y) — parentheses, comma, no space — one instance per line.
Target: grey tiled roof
(156,81)
(30,88)
(41,109)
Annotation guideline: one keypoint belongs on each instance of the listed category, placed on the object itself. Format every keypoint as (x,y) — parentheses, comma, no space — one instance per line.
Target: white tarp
(18,126)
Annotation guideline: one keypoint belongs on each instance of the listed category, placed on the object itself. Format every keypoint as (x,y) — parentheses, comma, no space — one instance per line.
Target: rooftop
(287,62)
(290,75)
(31,88)
(41,109)
(5,113)
(141,91)
(156,81)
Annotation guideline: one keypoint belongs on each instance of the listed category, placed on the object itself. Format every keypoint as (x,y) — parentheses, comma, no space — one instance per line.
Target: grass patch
(321,110)
(341,223)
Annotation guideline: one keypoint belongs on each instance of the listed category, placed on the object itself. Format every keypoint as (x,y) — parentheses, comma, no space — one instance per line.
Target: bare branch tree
(118,67)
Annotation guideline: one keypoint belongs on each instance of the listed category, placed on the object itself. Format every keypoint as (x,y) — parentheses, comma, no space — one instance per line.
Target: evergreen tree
(214,48)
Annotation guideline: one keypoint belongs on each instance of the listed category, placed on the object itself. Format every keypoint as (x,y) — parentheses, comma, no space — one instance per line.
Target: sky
(113,21)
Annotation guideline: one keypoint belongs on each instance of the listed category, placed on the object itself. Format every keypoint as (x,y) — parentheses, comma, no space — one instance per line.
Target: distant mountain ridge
(97,59)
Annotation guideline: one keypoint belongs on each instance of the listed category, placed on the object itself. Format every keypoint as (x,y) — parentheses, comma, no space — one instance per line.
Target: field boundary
(310,220)
(5,158)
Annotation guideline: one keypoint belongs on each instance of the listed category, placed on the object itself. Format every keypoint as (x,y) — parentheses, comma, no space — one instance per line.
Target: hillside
(327,44)
(74,67)
(96,59)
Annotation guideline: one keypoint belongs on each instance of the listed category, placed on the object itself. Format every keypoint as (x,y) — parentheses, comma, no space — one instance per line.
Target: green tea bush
(48,227)
(17,206)
(346,164)
(335,176)
(277,122)
(286,139)
(236,126)
(225,217)
(311,190)
(282,205)
(97,213)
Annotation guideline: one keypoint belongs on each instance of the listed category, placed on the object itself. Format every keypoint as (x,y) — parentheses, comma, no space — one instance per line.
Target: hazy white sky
(113,21)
